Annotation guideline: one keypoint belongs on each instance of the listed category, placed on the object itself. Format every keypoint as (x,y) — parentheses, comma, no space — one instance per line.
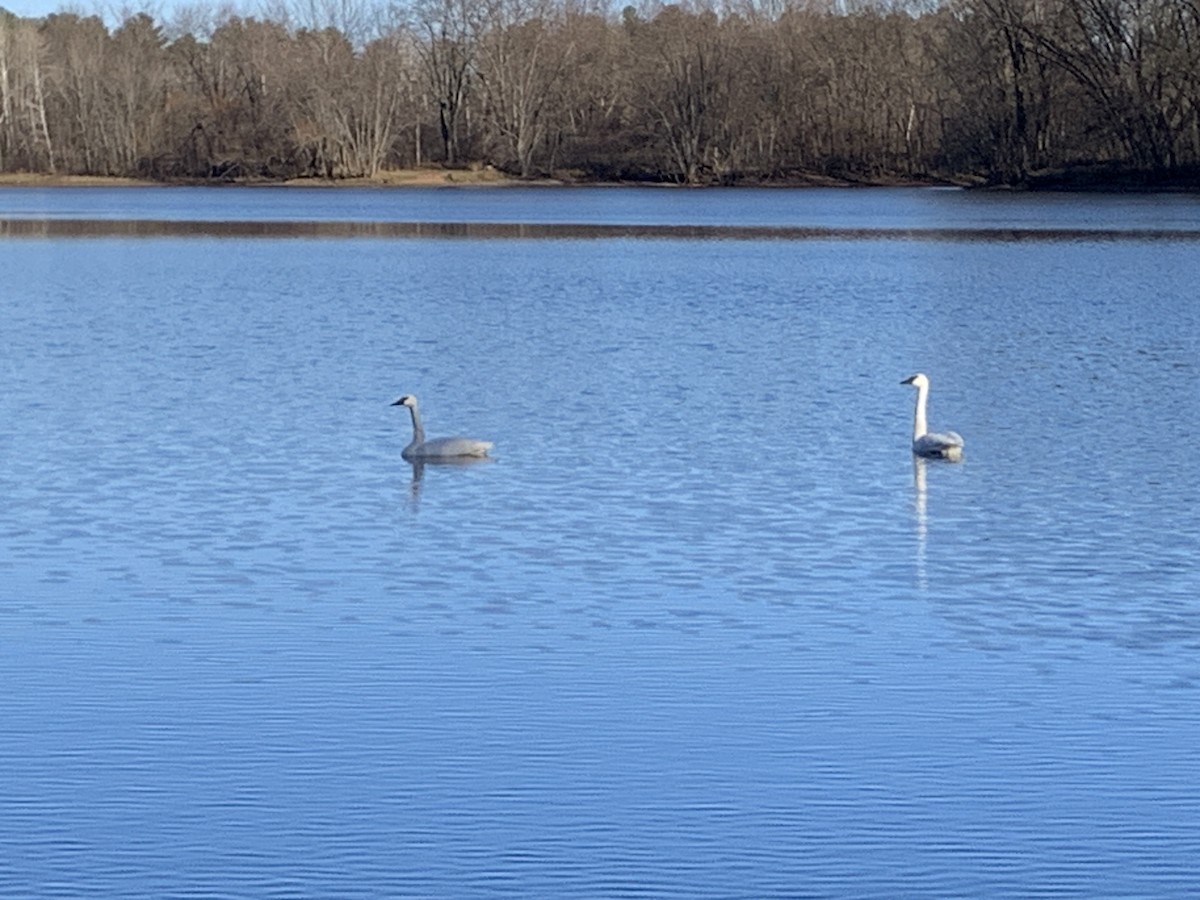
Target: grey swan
(437,448)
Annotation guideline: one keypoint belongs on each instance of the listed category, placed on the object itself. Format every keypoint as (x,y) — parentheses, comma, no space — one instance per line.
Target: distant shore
(1080,179)
(423,177)
(436,176)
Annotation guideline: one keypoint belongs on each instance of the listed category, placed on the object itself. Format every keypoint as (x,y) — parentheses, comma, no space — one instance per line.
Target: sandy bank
(424,177)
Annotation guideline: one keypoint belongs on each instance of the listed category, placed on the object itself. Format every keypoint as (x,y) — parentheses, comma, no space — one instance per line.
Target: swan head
(918,381)
(407,400)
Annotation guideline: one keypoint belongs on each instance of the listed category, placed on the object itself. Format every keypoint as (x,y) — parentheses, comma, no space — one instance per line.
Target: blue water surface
(701,628)
(832,208)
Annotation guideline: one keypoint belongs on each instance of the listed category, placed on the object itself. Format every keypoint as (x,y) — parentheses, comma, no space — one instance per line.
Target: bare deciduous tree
(522,61)
(683,80)
(444,39)
(754,90)
(24,129)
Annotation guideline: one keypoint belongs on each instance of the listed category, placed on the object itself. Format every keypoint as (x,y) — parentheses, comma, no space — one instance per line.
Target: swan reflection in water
(450,462)
(921,466)
(921,518)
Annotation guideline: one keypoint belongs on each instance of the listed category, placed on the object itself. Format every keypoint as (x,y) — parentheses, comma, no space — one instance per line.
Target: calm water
(700,629)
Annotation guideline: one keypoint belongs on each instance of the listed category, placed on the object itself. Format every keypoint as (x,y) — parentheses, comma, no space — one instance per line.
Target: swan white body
(437,448)
(944,445)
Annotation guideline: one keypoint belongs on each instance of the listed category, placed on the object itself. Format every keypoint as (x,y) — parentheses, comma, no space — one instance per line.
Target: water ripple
(700,629)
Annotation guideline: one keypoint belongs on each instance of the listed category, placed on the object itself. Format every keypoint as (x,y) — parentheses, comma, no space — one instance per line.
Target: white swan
(947,445)
(437,448)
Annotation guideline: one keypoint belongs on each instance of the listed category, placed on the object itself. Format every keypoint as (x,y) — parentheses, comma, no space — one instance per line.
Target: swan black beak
(908,380)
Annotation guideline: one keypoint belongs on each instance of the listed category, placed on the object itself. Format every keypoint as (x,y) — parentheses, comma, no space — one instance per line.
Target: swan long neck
(919,424)
(418,429)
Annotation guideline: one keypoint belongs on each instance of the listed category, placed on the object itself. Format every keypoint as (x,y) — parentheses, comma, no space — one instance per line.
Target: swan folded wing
(946,444)
(444,448)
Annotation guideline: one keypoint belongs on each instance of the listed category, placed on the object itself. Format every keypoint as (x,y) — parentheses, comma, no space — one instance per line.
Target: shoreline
(1082,180)
(436,177)
(390,178)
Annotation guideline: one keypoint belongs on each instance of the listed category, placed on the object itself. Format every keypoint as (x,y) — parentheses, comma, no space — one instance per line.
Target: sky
(38,8)
(111,11)
(29,8)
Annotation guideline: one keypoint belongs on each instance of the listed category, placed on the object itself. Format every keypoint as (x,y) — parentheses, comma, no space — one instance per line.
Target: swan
(948,444)
(437,448)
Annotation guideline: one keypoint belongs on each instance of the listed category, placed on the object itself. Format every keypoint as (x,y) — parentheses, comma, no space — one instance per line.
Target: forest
(1002,92)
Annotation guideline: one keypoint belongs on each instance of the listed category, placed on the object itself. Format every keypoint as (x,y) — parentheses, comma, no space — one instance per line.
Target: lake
(701,627)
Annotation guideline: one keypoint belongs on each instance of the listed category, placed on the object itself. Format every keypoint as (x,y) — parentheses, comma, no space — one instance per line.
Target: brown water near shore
(150,228)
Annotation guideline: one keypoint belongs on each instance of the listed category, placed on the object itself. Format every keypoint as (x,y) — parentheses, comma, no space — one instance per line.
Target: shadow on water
(153,228)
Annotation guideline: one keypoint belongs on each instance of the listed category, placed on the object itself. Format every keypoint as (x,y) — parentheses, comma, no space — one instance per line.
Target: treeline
(754,91)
